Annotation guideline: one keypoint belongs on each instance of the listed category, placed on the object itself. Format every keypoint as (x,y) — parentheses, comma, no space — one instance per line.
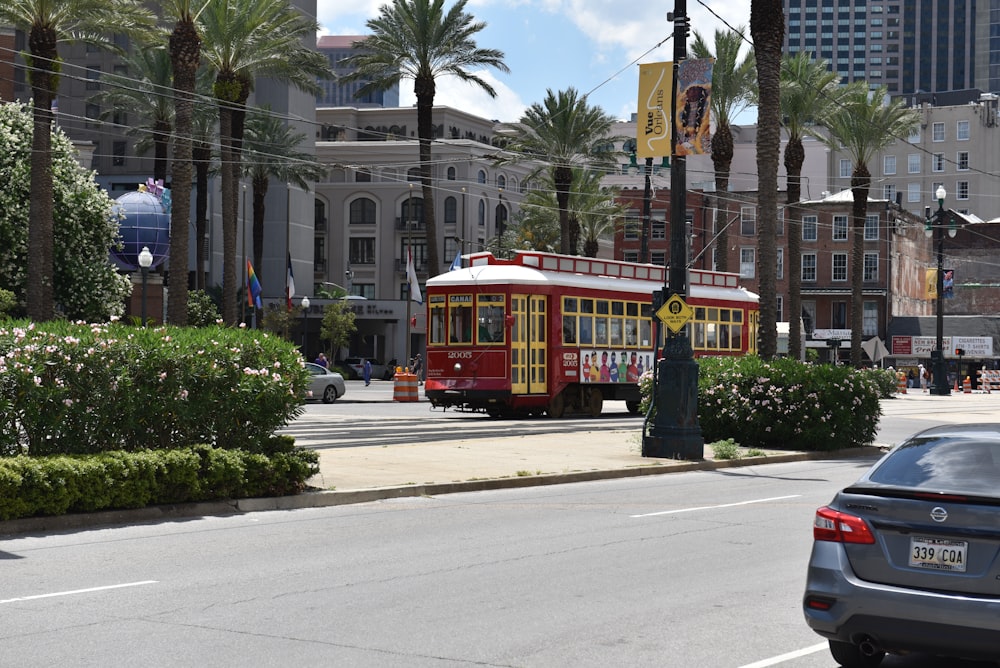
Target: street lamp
(305,312)
(934,226)
(145,262)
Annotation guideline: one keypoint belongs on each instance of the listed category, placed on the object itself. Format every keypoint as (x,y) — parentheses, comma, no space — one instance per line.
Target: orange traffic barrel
(405,387)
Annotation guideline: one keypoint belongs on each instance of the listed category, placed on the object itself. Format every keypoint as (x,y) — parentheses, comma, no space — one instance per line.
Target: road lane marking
(79,591)
(775,660)
(723,505)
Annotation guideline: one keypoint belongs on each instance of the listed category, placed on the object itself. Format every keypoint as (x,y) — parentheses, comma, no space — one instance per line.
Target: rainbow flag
(253,287)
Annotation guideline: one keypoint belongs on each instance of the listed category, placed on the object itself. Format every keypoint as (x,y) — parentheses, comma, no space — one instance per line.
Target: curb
(327,498)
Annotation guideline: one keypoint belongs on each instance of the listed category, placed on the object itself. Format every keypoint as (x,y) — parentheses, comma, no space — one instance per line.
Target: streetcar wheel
(595,403)
(494,412)
(557,406)
(633,407)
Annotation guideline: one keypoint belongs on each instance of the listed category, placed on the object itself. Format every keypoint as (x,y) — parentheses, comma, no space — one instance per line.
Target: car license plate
(938,554)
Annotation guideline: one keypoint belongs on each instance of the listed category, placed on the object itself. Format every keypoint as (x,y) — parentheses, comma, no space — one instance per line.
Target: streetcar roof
(502,275)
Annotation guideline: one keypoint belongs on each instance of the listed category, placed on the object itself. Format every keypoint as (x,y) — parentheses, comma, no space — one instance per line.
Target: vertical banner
(948,287)
(930,283)
(694,95)
(653,126)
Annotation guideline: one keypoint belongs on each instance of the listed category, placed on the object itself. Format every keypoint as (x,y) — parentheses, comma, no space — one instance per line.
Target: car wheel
(849,655)
(329,394)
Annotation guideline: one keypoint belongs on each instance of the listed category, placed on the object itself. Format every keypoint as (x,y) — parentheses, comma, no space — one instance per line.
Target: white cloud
(457,94)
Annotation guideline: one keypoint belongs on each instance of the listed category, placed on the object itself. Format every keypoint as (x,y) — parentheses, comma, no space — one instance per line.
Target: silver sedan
(324,384)
(907,559)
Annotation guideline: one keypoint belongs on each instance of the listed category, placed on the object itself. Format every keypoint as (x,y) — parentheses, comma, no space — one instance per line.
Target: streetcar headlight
(458,367)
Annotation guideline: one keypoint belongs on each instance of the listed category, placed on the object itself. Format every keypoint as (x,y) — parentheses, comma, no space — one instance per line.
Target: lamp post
(305,312)
(145,262)
(934,226)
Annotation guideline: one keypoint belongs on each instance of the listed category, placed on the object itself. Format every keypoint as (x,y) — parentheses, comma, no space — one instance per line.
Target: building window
(912,192)
(481,214)
(962,131)
(838,315)
(631,226)
(914,137)
(845,169)
(809,228)
(937,132)
(937,162)
(780,309)
(808,316)
(839,272)
(871,227)
(780,269)
(889,165)
(869,319)
(658,259)
(748,221)
(871,267)
(362,212)
(366,290)
(362,250)
(481,176)
(450,211)
(630,256)
(809,267)
(748,262)
(779,227)
(962,161)
(501,182)
(658,228)
(840,228)
(93,77)
(889,191)
(962,190)
(450,174)
(118,153)
(913,163)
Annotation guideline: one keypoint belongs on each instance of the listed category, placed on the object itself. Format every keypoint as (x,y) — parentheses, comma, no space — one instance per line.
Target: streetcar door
(528,356)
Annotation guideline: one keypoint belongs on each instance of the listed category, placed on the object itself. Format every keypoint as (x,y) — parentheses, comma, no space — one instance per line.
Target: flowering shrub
(785,403)
(85,388)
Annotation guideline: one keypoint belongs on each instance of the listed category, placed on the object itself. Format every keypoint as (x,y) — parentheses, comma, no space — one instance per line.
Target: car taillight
(833,525)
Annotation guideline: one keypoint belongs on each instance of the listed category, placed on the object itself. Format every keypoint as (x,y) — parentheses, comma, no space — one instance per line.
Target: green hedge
(785,404)
(75,388)
(60,484)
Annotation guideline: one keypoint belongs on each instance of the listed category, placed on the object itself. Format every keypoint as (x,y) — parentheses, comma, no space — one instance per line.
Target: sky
(594,46)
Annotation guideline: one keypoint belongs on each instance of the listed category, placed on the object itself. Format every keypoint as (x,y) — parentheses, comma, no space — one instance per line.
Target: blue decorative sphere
(145,222)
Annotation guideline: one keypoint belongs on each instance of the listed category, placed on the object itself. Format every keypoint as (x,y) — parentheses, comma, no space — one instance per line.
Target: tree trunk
(722,158)
(562,178)
(860,184)
(259,193)
(202,154)
(767,28)
(185,53)
(794,159)
(425,89)
(39,287)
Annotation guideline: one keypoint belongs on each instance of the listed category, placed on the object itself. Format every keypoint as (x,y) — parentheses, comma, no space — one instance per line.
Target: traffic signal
(959,352)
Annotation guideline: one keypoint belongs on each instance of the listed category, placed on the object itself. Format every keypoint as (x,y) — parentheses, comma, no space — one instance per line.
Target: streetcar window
(632,309)
(586,306)
(601,330)
(736,333)
(491,319)
(724,336)
(569,328)
(460,319)
(602,306)
(699,335)
(631,332)
(616,331)
(645,332)
(617,308)
(437,319)
(570,305)
(586,330)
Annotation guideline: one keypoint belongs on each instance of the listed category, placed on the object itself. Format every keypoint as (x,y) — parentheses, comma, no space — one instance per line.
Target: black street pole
(939,368)
(647,194)
(676,433)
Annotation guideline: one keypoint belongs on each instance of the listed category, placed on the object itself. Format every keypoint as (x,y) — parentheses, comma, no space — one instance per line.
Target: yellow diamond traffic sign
(675,313)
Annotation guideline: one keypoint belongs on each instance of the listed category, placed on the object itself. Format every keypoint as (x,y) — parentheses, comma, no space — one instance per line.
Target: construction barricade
(405,387)
(989,380)
(901,382)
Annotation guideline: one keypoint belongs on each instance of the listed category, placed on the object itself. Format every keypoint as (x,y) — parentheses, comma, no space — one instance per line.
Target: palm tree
(861,125)
(767,26)
(732,91)
(185,56)
(269,150)
(246,39)
(143,92)
(46,24)
(594,208)
(203,138)
(418,40)
(807,86)
(563,133)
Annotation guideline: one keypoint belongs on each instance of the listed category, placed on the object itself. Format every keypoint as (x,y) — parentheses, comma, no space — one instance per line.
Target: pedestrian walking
(418,369)
(367,370)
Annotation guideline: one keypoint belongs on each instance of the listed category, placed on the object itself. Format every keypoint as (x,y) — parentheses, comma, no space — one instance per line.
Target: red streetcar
(547,333)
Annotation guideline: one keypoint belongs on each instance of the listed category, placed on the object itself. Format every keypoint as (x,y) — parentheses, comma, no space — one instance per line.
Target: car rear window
(943,463)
